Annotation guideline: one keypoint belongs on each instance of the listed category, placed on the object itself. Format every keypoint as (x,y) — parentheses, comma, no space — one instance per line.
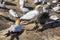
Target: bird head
(17,22)
(3,3)
(38,7)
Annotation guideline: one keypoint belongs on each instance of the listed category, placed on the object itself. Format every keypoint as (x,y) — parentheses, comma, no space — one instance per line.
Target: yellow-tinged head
(37,7)
(17,22)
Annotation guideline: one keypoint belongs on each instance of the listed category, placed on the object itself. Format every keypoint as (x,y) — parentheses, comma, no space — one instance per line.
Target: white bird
(13,13)
(23,8)
(44,2)
(48,3)
(31,14)
(56,8)
(54,1)
(22,2)
(2,5)
(37,2)
(54,17)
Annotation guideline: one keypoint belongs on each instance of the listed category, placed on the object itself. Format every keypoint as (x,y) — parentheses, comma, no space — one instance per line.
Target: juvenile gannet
(31,14)
(13,13)
(44,2)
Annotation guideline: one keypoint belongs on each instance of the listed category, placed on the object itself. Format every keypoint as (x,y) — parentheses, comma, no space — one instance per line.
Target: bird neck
(37,9)
(22,2)
(17,24)
(21,7)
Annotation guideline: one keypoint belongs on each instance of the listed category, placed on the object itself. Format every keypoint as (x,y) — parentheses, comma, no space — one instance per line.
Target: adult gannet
(48,3)
(54,1)
(37,2)
(23,8)
(22,2)
(2,5)
(56,8)
(44,2)
(31,14)
(13,13)
(54,17)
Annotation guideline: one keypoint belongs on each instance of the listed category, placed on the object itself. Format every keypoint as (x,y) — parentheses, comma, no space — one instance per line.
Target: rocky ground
(50,32)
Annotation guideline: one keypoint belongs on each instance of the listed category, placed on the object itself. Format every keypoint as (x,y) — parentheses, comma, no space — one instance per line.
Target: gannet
(44,2)
(31,14)
(56,8)
(48,3)
(2,5)
(46,12)
(37,2)
(54,1)
(13,13)
(23,8)
(54,17)
(22,2)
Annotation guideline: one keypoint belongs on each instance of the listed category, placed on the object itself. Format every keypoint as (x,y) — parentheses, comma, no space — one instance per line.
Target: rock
(29,26)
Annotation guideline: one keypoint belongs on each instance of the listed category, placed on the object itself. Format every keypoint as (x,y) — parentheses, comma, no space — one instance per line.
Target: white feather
(54,17)
(37,1)
(56,8)
(13,13)
(44,8)
(30,15)
(54,1)
(21,2)
(2,5)
(24,9)
(48,3)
